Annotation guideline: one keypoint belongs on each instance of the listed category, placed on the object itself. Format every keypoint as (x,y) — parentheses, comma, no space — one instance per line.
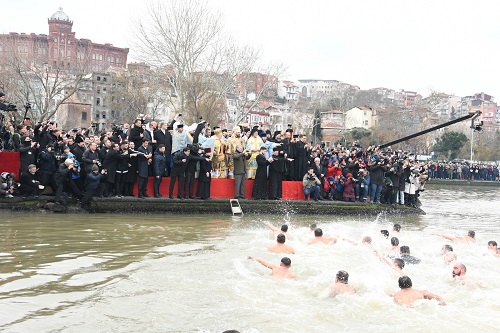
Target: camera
(116,129)
(6,106)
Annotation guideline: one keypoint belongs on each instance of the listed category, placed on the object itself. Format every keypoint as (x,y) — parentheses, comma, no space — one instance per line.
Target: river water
(163,273)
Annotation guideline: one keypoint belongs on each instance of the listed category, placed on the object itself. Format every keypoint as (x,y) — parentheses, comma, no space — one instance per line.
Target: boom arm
(471,116)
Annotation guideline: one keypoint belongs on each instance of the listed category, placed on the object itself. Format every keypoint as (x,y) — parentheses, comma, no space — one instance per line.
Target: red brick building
(60,49)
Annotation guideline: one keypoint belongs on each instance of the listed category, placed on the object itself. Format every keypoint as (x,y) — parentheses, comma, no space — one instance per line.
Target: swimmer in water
(281,271)
(449,256)
(396,228)
(408,296)
(283,230)
(458,273)
(493,247)
(341,284)
(396,264)
(320,239)
(384,233)
(407,258)
(395,245)
(367,240)
(280,246)
(469,238)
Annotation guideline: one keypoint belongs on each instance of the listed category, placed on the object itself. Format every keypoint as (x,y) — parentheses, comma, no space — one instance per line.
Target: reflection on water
(160,273)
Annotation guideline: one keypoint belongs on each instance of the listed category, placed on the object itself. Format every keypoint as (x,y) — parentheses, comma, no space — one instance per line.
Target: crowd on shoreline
(111,163)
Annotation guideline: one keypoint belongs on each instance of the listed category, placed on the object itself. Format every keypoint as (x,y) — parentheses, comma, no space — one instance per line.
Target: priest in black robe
(259,191)
(276,170)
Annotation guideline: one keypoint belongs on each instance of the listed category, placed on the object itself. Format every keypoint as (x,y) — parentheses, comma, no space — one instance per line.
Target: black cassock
(259,190)
(276,170)
(300,160)
(203,190)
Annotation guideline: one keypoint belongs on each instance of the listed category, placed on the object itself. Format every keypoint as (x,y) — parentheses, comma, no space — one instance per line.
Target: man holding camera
(311,185)
(64,180)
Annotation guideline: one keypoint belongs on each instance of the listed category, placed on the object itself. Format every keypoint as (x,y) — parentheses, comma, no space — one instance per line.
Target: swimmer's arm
(350,241)
(262,262)
(273,228)
(428,295)
(445,236)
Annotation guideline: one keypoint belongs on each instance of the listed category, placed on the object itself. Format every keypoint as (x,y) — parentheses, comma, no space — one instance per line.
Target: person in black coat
(159,163)
(276,170)
(94,185)
(164,137)
(205,177)
(178,172)
(259,190)
(63,181)
(143,161)
(27,153)
(194,158)
(109,164)
(121,169)
(136,133)
(131,176)
(30,182)
(47,167)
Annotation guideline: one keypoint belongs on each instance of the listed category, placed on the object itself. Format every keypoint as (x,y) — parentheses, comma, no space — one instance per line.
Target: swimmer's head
(405,282)
(471,233)
(385,233)
(367,240)
(286,261)
(397,227)
(458,269)
(399,262)
(284,228)
(281,238)
(449,257)
(404,249)
(318,232)
(394,241)
(313,226)
(342,276)
(492,244)
(447,248)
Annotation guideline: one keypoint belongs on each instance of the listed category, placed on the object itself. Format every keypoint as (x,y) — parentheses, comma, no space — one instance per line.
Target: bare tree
(46,86)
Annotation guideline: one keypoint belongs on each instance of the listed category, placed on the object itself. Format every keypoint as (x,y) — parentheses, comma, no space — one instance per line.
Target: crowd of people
(83,164)
(395,256)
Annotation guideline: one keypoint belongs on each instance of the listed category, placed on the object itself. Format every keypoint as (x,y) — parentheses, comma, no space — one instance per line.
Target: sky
(426,45)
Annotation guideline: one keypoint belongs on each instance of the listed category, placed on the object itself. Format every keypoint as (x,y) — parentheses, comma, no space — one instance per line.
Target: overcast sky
(444,45)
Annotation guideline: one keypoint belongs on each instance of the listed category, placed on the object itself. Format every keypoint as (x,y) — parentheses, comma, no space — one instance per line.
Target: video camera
(8,107)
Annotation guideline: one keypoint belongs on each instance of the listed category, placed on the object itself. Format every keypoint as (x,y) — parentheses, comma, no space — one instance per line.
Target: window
(98,90)
(97,116)
(113,115)
(84,115)
(98,101)
(98,78)
(104,79)
(104,115)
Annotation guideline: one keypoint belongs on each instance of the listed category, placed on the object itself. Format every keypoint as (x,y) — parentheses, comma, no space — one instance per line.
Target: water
(113,273)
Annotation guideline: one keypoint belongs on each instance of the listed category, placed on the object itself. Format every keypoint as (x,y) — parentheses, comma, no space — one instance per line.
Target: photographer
(63,180)
(349,185)
(9,187)
(311,185)
(394,173)
(94,184)
(377,171)
(240,158)
(30,182)
(362,185)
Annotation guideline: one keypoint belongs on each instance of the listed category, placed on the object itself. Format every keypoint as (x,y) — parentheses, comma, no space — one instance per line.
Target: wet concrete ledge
(133,205)
(456,182)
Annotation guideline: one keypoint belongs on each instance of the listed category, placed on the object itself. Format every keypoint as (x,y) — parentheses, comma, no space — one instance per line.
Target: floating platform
(134,205)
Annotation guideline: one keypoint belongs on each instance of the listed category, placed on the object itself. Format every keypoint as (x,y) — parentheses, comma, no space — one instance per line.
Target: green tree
(450,143)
